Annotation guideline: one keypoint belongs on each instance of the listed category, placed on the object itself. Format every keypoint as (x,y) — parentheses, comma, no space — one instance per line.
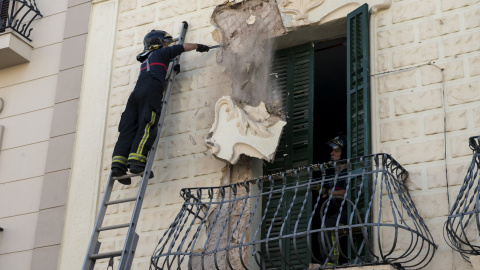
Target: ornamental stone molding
(243,129)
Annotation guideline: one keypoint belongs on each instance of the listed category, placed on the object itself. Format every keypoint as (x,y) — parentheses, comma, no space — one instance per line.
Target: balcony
(463,223)
(287,221)
(16,18)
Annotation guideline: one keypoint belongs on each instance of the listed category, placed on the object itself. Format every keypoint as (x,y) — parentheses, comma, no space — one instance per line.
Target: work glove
(202,48)
(176,68)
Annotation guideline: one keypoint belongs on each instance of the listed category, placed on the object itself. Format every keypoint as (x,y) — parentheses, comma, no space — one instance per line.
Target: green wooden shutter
(294,69)
(358,107)
(358,82)
(3,15)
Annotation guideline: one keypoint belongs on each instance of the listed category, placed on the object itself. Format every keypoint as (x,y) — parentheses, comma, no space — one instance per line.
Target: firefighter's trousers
(138,124)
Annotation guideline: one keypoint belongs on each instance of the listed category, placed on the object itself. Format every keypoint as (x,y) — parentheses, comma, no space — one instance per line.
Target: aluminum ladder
(128,251)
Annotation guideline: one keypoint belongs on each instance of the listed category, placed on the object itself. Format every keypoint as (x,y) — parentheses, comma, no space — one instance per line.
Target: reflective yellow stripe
(138,157)
(120,159)
(146,134)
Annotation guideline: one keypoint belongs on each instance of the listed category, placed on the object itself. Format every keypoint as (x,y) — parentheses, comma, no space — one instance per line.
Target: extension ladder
(127,253)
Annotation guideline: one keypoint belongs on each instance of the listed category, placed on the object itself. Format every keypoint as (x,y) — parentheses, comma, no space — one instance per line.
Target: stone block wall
(425,99)
(182,159)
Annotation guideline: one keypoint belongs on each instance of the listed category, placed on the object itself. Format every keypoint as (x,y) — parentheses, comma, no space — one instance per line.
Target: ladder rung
(121,201)
(114,227)
(106,255)
(127,176)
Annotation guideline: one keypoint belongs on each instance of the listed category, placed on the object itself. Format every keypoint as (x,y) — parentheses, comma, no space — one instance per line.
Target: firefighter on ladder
(138,124)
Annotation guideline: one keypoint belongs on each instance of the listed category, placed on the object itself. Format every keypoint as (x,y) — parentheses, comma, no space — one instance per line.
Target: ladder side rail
(128,247)
(93,247)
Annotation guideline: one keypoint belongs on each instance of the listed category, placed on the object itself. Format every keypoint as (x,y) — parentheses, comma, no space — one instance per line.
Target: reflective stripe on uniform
(120,159)
(146,133)
(138,157)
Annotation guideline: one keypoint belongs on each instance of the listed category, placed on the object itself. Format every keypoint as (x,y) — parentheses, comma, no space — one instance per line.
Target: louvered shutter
(3,14)
(358,82)
(294,79)
(358,108)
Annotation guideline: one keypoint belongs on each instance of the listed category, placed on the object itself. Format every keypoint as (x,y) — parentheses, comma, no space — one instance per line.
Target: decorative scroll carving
(243,129)
(299,9)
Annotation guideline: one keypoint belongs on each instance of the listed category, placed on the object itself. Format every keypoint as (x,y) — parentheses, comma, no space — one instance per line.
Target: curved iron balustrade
(463,222)
(277,222)
(18,15)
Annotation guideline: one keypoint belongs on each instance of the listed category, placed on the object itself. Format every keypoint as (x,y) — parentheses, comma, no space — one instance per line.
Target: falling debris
(251,19)
(246,56)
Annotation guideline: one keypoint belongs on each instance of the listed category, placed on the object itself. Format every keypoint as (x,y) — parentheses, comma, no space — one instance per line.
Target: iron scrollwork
(18,15)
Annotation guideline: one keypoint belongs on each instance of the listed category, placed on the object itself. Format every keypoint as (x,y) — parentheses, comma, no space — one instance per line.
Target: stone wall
(425,100)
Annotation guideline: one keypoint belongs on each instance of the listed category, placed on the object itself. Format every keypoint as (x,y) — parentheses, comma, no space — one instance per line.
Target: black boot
(120,170)
(136,167)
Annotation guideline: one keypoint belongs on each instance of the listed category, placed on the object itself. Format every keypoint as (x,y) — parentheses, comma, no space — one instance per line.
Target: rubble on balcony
(281,220)
(463,223)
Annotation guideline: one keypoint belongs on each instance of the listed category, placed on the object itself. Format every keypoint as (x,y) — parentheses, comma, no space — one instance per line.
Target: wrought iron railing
(282,222)
(18,15)
(463,223)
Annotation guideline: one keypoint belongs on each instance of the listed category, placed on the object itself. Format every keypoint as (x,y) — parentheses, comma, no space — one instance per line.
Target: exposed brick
(426,202)
(121,78)
(124,39)
(417,102)
(172,169)
(455,121)
(463,93)
(476,117)
(448,4)
(186,145)
(437,27)
(459,146)
(462,44)
(415,55)
(398,130)
(474,66)
(433,74)
(384,108)
(472,18)
(382,62)
(395,37)
(178,124)
(397,81)
(126,5)
(130,20)
(204,118)
(413,10)
(208,164)
(420,152)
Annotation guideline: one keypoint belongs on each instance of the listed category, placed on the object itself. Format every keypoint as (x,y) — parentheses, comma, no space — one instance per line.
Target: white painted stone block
(472,18)
(420,152)
(463,93)
(448,4)
(417,102)
(462,44)
(474,63)
(459,146)
(384,108)
(397,81)
(415,55)
(454,121)
(403,129)
(395,37)
(405,12)
(437,27)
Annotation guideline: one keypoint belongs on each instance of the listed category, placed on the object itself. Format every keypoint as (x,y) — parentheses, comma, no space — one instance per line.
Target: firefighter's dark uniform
(138,124)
